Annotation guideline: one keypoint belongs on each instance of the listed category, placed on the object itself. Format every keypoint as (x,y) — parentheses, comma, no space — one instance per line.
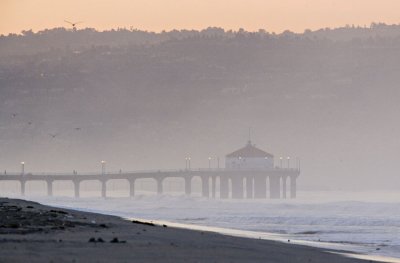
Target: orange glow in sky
(157,15)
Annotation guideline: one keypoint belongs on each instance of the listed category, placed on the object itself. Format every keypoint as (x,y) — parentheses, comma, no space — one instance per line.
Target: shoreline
(335,248)
(40,233)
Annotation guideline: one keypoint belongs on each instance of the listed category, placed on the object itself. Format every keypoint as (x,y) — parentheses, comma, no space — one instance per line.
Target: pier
(249,173)
(233,183)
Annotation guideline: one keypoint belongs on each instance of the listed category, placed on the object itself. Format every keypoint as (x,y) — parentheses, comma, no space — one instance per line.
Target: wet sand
(30,232)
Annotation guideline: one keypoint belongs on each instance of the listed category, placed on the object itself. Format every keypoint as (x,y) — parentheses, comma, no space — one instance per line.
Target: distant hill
(146,100)
(28,42)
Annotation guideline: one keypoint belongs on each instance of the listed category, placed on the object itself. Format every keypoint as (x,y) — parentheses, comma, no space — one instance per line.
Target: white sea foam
(363,222)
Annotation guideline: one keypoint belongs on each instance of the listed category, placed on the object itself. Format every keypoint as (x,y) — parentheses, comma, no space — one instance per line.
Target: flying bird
(73,24)
(14,115)
(53,135)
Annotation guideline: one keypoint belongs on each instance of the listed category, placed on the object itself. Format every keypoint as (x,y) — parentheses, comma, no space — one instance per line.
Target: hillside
(143,100)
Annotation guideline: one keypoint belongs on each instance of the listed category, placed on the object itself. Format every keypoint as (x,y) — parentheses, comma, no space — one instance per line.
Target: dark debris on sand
(143,223)
(21,219)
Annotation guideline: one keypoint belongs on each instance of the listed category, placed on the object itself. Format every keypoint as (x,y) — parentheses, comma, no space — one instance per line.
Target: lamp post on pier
(288,162)
(22,168)
(103,167)
(209,162)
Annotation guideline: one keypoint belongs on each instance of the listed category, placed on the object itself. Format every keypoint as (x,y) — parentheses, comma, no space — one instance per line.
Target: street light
(22,168)
(288,162)
(209,162)
(103,167)
(281,159)
(189,161)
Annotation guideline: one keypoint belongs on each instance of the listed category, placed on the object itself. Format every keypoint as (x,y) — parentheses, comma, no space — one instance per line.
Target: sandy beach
(31,232)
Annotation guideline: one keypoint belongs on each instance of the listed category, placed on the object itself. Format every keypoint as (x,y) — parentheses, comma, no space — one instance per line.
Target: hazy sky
(156,15)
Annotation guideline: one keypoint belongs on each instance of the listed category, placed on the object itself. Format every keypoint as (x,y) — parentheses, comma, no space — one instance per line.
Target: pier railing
(76,173)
